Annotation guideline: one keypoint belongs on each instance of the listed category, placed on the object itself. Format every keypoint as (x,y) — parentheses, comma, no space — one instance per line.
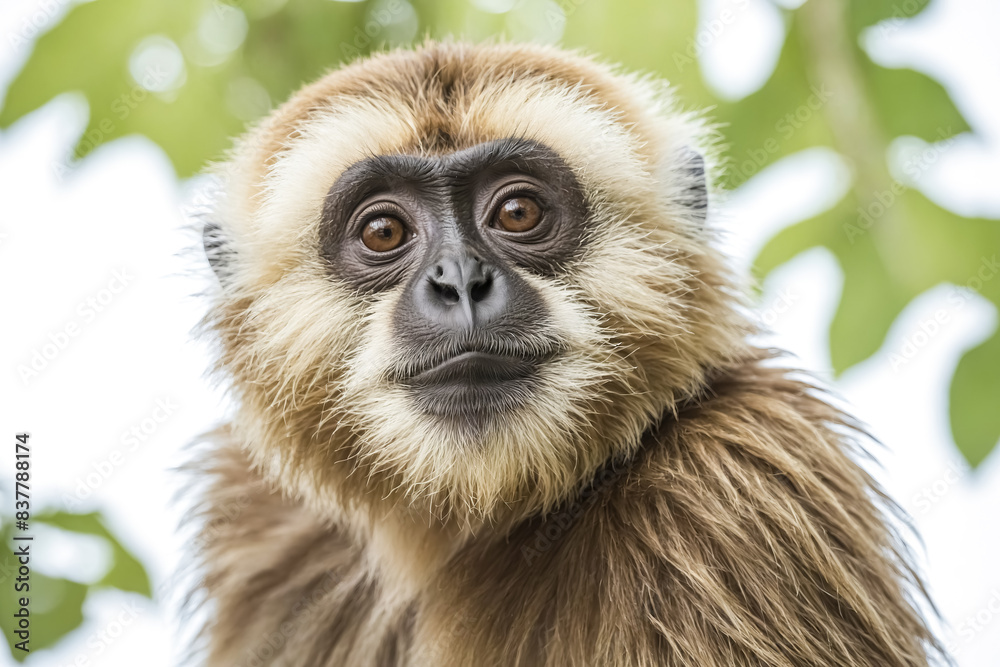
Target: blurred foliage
(56,605)
(232,60)
(891,241)
(189,74)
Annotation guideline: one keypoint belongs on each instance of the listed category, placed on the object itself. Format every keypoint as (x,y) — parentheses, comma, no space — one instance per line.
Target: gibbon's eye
(518,214)
(383,233)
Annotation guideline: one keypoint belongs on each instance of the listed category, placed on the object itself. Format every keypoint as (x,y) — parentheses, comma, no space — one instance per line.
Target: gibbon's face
(460,279)
(462,241)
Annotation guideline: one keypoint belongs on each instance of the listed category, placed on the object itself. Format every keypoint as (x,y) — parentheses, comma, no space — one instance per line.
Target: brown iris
(519,214)
(383,234)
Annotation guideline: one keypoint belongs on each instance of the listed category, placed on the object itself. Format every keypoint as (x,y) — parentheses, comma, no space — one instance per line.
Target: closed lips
(476,367)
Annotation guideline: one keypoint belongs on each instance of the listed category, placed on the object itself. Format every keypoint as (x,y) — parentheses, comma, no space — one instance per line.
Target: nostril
(481,289)
(446,293)
(438,271)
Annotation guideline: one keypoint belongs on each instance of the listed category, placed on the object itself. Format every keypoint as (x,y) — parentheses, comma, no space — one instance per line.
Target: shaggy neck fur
(740,533)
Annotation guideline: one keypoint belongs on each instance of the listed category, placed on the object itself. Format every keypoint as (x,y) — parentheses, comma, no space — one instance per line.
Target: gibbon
(496,401)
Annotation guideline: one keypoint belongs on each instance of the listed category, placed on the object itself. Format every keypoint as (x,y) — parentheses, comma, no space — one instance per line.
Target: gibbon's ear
(694,195)
(215,247)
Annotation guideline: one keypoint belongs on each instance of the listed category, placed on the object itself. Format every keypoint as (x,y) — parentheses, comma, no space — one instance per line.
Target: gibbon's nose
(460,292)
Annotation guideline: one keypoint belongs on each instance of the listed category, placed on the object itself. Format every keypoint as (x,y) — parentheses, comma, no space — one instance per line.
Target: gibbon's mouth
(472,384)
(473,360)
(477,368)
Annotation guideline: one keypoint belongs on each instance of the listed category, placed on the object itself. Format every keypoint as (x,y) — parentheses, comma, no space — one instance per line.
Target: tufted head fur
(637,316)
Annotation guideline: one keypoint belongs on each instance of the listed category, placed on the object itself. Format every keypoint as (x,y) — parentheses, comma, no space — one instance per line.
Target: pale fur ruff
(739,533)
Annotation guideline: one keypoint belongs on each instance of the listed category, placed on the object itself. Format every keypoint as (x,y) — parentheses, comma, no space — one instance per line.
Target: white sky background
(63,240)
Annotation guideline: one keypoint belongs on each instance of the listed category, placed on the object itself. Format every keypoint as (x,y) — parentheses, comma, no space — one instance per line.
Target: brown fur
(668,498)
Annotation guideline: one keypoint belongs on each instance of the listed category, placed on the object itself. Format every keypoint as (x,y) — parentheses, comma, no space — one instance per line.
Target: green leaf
(889,247)
(126,572)
(798,238)
(196,122)
(55,608)
(891,241)
(790,112)
(911,103)
(89,52)
(292,47)
(974,399)
(782,118)
(56,604)
(865,13)
(650,37)
(869,303)
(869,294)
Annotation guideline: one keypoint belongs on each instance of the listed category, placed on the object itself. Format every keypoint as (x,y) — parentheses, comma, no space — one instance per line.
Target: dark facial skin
(450,229)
